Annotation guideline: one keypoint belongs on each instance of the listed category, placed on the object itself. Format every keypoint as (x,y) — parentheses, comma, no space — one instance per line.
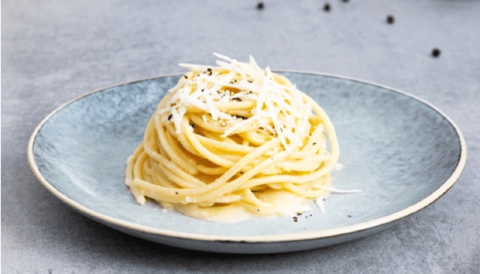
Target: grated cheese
(278,108)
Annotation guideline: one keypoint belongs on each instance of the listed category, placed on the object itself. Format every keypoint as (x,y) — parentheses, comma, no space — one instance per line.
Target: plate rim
(288,237)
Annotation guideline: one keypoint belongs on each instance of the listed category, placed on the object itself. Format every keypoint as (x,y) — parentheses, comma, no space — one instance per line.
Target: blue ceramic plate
(402,152)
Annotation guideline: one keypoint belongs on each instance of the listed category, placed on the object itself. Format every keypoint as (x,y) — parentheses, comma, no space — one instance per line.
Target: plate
(402,152)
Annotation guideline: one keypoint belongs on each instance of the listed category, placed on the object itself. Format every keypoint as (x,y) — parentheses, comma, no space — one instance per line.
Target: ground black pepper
(169,117)
(186,77)
(260,6)
(436,52)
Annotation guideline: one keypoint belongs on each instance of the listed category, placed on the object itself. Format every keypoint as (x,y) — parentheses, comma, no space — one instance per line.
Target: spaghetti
(234,141)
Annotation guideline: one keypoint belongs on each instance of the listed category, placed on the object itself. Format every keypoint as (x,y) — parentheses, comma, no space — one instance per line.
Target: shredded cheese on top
(280,109)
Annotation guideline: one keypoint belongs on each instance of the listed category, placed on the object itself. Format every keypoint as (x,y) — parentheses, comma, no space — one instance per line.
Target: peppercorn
(390,19)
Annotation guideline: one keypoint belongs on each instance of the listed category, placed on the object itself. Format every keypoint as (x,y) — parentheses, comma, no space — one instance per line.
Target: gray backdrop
(54,51)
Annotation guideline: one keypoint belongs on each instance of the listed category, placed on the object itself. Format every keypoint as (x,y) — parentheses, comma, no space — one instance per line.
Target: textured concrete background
(54,51)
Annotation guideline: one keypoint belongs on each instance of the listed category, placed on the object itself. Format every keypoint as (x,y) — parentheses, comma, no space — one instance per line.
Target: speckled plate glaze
(402,152)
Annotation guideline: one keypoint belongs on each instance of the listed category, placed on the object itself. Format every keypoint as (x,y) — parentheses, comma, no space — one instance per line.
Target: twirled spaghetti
(232,141)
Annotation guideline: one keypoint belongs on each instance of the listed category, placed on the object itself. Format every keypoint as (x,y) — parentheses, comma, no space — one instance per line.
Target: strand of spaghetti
(249,197)
(203,151)
(171,151)
(313,176)
(184,143)
(130,163)
(181,178)
(235,184)
(223,145)
(218,182)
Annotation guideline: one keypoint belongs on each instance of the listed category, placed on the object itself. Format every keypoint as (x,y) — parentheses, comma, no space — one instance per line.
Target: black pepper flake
(240,117)
(185,76)
(169,117)
(436,52)
(314,143)
(176,193)
(209,71)
(260,6)
(345,1)
(299,213)
(326,7)
(349,216)
(241,172)
(390,19)
(192,125)
(258,210)
(250,81)
(237,99)
(203,90)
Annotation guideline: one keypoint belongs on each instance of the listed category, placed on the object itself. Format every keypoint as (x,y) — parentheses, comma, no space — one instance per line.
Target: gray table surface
(54,51)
